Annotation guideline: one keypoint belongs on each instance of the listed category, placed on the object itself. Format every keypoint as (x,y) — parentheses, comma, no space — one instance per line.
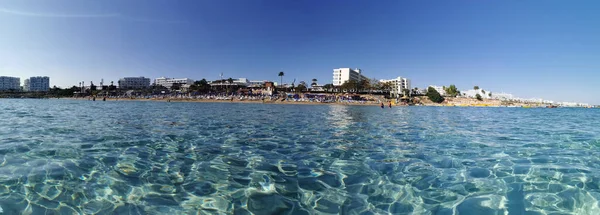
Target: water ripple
(83,157)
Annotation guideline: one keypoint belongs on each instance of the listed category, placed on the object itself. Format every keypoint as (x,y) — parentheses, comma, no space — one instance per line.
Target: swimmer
(382,106)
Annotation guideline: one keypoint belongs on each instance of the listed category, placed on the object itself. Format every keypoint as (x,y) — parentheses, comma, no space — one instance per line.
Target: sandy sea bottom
(84,157)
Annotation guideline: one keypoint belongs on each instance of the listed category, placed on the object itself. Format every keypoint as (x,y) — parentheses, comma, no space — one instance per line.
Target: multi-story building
(242,82)
(37,84)
(342,75)
(398,85)
(134,82)
(439,89)
(26,85)
(168,82)
(9,83)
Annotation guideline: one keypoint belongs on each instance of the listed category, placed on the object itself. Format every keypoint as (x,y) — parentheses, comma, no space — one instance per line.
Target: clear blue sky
(545,48)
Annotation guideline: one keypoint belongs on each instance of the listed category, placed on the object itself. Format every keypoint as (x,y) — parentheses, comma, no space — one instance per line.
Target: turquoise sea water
(84,157)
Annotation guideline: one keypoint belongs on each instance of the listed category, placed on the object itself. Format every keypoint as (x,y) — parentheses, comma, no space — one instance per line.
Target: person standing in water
(382,106)
(390,104)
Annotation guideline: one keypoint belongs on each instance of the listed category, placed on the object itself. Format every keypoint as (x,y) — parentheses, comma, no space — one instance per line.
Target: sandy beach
(423,101)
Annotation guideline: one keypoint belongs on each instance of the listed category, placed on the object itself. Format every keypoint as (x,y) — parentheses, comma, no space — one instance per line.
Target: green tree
(300,88)
(406,92)
(483,91)
(490,94)
(203,86)
(314,82)
(374,85)
(346,86)
(451,91)
(476,87)
(385,87)
(176,86)
(479,97)
(350,86)
(364,85)
(230,81)
(434,95)
(328,87)
(112,86)
(281,74)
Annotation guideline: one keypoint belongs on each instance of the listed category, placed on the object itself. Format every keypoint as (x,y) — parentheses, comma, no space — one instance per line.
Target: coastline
(179,100)
(448,103)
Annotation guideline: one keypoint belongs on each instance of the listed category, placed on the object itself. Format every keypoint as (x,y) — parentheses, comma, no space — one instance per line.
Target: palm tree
(281,74)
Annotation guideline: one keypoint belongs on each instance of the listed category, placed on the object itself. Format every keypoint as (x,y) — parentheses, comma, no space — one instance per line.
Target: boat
(551,106)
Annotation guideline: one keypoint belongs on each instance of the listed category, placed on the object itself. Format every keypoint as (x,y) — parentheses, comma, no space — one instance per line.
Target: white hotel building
(37,84)
(9,83)
(398,85)
(134,82)
(168,82)
(341,75)
(439,89)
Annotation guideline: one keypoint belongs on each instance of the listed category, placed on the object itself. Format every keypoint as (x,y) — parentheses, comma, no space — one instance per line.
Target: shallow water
(84,157)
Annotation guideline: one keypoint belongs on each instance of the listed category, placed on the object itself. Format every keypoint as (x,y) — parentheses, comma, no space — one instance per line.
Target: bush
(452,91)
(434,95)
(478,97)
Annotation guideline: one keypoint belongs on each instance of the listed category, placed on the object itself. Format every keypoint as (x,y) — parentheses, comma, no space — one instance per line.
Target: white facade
(10,83)
(473,93)
(168,82)
(236,81)
(26,85)
(37,84)
(439,89)
(502,96)
(573,104)
(398,84)
(256,83)
(134,82)
(341,75)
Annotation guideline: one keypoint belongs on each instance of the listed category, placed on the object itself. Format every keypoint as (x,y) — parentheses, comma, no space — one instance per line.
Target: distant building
(134,83)
(242,82)
(502,96)
(267,88)
(439,89)
(398,85)
(342,75)
(9,83)
(317,88)
(473,93)
(258,84)
(573,104)
(168,82)
(26,85)
(37,84)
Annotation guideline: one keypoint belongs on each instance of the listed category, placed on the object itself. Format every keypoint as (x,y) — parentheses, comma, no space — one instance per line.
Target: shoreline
(236,101)
(422,101)
(178,100)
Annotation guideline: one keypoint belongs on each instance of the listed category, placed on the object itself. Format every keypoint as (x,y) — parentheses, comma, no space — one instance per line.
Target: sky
(544,49)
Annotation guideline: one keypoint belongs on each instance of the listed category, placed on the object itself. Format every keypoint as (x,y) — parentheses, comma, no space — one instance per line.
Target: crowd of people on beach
(289,97)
